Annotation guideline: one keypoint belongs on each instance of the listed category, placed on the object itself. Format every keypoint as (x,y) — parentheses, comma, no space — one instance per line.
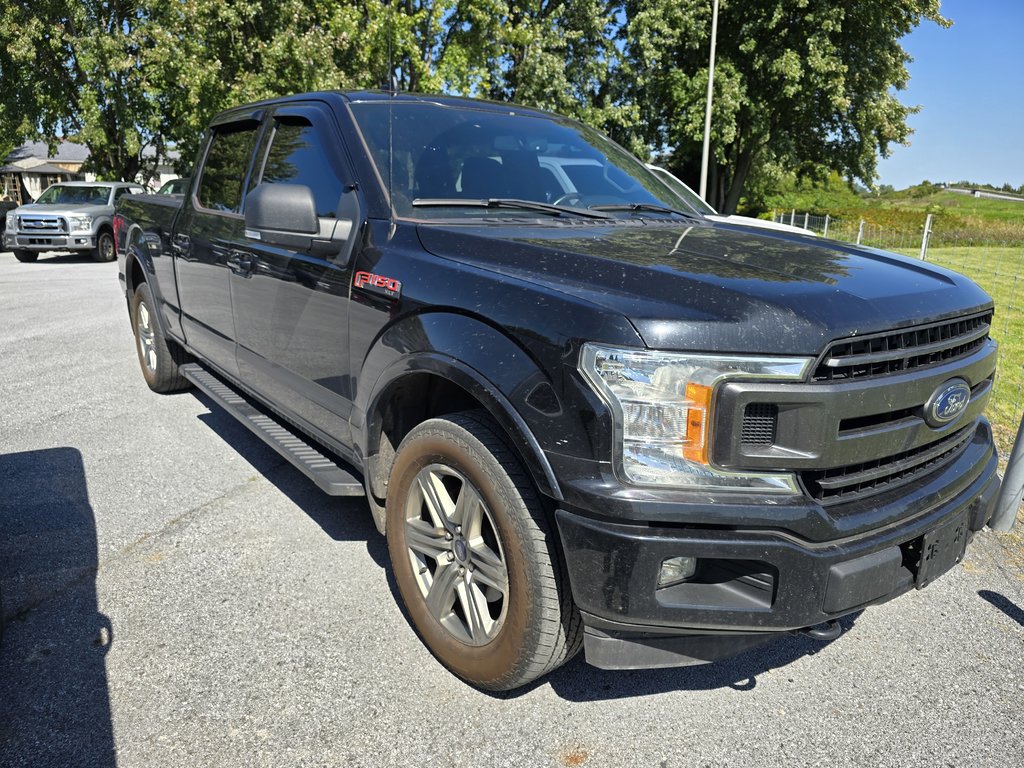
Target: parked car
(699,204)
(6,206)
(73,216)
(594,419)
(174,187)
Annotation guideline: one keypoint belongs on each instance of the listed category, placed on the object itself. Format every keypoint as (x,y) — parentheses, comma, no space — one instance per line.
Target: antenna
(392,88)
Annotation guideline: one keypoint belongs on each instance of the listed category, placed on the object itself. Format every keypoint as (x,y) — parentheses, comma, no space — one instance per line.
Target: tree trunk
(744,163)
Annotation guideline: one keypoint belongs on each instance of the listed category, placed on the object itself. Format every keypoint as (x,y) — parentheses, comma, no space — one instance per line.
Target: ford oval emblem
(947,402)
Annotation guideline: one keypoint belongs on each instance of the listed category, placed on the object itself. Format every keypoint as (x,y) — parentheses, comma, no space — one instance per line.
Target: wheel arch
(480,368)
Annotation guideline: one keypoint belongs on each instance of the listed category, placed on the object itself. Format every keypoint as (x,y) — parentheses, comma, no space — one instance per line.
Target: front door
(291,306)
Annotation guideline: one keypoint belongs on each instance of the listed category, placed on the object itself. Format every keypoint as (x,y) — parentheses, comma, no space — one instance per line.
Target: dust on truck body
(582,414)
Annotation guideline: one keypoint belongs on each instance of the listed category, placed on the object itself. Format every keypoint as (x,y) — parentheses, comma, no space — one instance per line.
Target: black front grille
(855,481)
(897,351)
(759,424)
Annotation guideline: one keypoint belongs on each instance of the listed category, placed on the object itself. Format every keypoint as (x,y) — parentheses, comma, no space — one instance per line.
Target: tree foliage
(800,85)
(807,85)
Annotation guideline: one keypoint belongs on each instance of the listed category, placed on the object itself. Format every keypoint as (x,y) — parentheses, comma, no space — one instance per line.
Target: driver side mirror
(281,214)
(285,215)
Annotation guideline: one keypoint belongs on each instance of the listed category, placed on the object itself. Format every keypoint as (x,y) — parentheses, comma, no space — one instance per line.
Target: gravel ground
(177,595)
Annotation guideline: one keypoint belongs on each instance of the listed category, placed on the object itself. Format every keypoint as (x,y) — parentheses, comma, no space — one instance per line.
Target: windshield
(696,201)
(445,154)
(173,187)
(59,194)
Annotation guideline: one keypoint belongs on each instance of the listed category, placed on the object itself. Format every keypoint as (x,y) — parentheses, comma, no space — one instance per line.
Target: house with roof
(32,167)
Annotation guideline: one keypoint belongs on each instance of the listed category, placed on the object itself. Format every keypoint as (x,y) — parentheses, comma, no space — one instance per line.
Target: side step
(321,469)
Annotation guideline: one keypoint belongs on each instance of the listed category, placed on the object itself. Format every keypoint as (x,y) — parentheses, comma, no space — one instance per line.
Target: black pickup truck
(582,414)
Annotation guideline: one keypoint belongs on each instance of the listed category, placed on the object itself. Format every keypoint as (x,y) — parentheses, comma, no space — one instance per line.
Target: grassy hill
(967,216)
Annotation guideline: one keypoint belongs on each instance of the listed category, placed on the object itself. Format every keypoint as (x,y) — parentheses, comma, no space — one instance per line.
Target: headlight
(662,403)
(12,222)
(80,223)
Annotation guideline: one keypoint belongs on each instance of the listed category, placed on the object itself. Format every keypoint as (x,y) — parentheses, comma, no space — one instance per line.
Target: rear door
(203,237)
(291,306)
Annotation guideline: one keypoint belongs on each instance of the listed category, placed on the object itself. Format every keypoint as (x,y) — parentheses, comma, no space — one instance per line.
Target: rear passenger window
(298,155)
(224,172)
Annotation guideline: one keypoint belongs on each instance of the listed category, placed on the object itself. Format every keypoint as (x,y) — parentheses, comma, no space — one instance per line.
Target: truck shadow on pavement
(578,681)
(350,520)
(341,518)
(54,699)
(67,258)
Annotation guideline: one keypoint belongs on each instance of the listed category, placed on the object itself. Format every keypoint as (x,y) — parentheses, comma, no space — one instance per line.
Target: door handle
(241,263)
(181,243)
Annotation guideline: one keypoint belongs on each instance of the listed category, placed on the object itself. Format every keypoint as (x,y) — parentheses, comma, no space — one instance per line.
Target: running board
(322,470)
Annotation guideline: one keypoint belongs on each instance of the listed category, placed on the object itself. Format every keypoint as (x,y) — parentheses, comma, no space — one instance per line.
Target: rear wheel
(159,361)
(475,558)
(26,256)
(104,250)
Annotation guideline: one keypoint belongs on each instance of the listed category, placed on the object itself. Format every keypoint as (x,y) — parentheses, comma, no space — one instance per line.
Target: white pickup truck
(72,216)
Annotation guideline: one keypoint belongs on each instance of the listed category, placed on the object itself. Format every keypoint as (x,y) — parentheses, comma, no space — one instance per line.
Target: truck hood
(63,210)
(701,287)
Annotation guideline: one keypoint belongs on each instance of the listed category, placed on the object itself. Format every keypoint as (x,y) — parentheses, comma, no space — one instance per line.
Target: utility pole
(707,109)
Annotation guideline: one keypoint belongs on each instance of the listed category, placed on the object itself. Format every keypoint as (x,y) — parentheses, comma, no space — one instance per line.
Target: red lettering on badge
(387,286)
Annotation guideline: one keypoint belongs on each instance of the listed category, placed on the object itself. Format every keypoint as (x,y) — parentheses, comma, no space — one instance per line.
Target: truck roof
(364,96)
(96,184)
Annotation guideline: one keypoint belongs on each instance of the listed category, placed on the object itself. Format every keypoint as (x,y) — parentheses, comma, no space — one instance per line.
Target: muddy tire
(474,555)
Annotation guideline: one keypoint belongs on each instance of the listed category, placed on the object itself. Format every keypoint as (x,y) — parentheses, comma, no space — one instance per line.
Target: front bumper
(85,241)
(752,583)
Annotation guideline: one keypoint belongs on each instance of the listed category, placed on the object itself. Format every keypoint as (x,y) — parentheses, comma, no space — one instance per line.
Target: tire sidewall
(142,295)
(101,239)
(487,664)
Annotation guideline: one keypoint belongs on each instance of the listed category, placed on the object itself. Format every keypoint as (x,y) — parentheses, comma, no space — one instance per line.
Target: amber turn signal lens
(695,448)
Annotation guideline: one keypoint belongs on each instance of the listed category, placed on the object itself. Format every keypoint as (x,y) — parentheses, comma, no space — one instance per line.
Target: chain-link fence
(995,262)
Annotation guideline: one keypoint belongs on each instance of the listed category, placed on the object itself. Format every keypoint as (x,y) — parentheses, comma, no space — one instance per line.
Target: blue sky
(967,80)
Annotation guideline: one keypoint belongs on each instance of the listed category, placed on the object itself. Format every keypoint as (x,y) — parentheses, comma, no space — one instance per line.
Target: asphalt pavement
(176,595)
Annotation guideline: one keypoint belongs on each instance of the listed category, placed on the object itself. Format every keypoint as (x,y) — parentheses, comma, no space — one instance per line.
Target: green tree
(805,85)
(564,56)
(71,69)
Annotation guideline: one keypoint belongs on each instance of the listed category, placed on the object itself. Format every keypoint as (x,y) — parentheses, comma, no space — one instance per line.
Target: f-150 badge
(378,284)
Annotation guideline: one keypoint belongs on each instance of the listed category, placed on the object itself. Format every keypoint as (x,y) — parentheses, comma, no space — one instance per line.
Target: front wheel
(475,558)
(26,257)
(104,247)
(158,360)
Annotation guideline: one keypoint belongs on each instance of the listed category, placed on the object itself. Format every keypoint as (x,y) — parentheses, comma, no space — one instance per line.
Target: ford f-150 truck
(71,216)
(583,417)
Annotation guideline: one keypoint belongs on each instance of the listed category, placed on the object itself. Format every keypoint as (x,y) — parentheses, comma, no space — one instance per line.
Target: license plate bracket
(941,549)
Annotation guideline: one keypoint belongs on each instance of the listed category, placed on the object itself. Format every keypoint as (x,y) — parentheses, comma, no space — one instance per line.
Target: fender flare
(136,251)
(483,339)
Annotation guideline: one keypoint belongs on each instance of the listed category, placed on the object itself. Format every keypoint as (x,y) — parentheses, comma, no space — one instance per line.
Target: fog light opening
(675,570)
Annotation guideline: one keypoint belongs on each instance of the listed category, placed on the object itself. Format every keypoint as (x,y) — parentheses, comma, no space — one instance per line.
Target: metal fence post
(925,236)
(1012,492)
(860,232)
(825,233)
(807,216)
(792,217)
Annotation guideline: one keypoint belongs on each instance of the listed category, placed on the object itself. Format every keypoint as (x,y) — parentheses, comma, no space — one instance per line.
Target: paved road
(177,596)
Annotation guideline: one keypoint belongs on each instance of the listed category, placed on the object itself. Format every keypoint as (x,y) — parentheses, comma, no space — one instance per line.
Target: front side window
(220,189)
(297,155)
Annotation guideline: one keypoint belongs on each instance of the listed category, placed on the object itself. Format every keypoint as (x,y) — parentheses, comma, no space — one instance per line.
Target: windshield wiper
(641,207)
(506,202)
